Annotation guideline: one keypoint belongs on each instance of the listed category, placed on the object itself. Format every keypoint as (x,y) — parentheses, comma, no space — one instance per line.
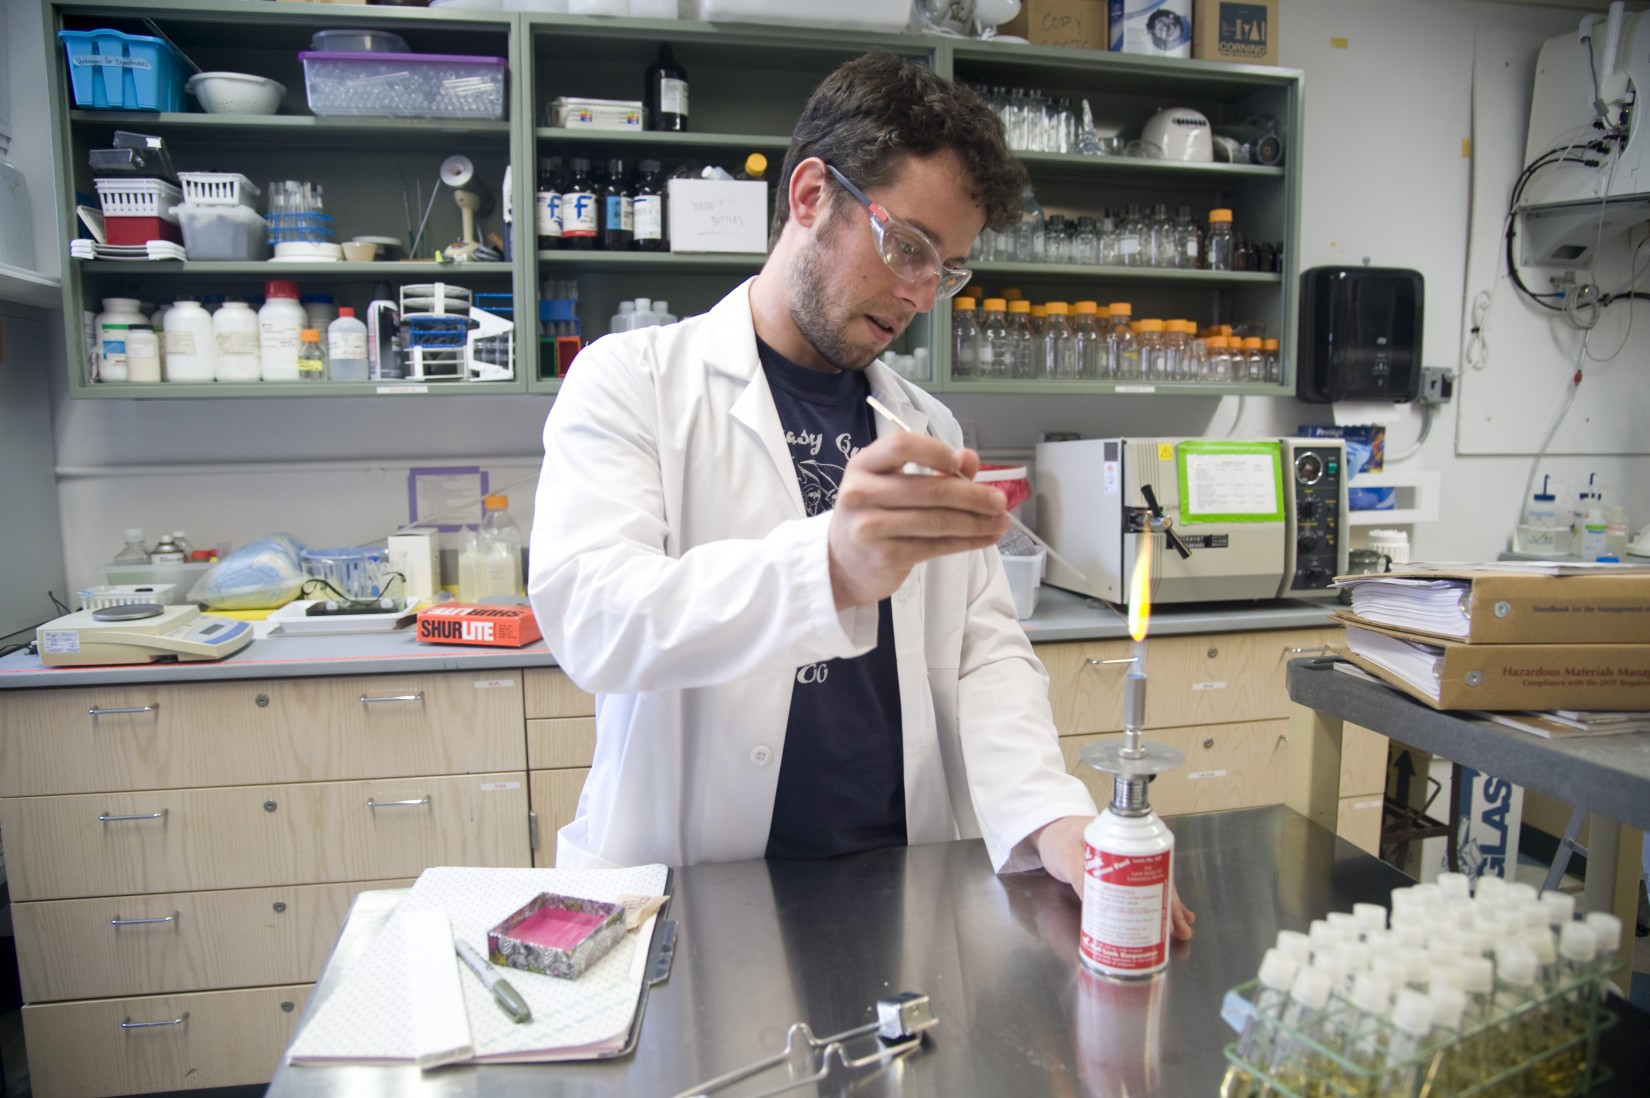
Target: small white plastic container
(225,233)
(1025,575)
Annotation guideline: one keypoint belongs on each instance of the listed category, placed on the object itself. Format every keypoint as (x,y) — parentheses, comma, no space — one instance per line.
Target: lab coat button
(761,755)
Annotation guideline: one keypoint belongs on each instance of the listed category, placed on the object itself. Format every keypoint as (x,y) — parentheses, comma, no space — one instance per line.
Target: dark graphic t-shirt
(842,772)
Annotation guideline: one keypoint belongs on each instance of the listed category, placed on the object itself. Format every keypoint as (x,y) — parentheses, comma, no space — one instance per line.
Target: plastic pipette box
(404,85)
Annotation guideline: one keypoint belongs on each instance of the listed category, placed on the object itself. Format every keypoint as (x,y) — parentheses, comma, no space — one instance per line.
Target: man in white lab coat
(798,647)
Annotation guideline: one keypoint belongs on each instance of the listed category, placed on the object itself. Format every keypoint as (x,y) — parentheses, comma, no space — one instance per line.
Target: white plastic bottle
(347,347)
(118,313)
(1616,531)
(661,309)
(280,321)
(142,353)
(1128,866)
(1593,531)
(624,318)
(235,338)
(191,352)
(645,316)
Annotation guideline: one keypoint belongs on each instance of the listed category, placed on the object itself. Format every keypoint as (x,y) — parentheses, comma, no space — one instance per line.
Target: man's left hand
(1060,845)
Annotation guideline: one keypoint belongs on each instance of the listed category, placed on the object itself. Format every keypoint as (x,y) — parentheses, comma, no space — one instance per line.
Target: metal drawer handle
(1319,649)
(118,921)
(1107,663)
(368,699)
(422,801)
(129,1024)
(106,818)
(97,712)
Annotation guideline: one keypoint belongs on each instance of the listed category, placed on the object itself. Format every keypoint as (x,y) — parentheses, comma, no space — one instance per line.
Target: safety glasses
(906,249)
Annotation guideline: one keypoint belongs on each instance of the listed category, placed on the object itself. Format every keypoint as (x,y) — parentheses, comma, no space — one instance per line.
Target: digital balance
(139,633)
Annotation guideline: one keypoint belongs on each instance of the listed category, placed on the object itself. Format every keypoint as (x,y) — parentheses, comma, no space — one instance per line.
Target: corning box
(718,215)
(1245,31)
(1162,28)
(596,114)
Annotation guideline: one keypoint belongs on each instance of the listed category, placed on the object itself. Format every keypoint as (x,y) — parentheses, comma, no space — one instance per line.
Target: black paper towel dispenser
(1360,334)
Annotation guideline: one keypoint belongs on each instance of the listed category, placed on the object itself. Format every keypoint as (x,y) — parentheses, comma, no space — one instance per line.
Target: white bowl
(235,93)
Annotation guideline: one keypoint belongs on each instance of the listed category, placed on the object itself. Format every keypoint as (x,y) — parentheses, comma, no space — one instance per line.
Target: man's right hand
(887,521)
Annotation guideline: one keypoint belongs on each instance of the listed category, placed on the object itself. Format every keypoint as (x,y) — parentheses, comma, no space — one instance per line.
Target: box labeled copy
(1077,24)
(1162,28)
(718,215)
(1244,31)
(468,623)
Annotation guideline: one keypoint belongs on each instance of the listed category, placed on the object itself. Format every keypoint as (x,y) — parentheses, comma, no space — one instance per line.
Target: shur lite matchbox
(468,623)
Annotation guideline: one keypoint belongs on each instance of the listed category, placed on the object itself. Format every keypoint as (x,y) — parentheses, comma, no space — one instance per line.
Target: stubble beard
(811,303)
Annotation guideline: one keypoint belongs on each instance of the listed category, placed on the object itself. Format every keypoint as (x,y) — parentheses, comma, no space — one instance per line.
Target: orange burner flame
(1140,588)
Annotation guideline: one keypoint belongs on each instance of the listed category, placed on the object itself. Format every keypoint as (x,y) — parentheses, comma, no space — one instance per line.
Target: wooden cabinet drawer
(182,941)
(1227,766)
(550,693)
(1358,821)
(258,836)
(1363,762)
(555,802)
(182,735)
(560,742)
(1223,676)
(1084,690)
(220,1038)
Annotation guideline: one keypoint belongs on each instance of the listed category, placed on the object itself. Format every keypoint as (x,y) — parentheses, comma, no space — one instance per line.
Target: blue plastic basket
(113,71)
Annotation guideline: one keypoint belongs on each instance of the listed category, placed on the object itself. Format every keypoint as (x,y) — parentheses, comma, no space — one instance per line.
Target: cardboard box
(1077,24)
(557,935)
(1527,608)
(1162,28)
(468,623)
(1244,31)
(718,215)
(1512,676)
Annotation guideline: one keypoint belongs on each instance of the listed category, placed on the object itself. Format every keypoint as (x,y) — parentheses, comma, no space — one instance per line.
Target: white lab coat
(676,576)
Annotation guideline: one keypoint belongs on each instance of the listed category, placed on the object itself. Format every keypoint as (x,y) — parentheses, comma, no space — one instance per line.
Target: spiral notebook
(370,1017)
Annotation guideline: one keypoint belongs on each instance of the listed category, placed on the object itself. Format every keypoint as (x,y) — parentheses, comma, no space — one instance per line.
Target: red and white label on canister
(1125,911)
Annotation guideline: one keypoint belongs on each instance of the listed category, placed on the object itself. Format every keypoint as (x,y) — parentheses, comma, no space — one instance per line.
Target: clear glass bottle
(1274,360)
(495,564)
(1219,245)
(1110,243)
(1020,339)
(134,551)
(1085,243)
(1159,243)
(1130,244)
(994,353)
(965,338)
(1056,247)
(1028,237)
(1188,240)
(1150,338)
(1220,359)
(1122,351)
(312,356)
(1087,340)
(1059,346)
(1254,361)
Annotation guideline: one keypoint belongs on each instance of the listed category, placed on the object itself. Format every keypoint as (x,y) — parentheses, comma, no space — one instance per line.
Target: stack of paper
(1564,724)
(372,1016)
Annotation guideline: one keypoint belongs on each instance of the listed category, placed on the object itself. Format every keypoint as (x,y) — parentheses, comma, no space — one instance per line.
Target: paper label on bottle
(237,343)
(673,96)
(547,214)
(1128,245)
(278,337)
(620,213)
(578,214)
(347,345)
(648,212)
(179,342)
(1125,909)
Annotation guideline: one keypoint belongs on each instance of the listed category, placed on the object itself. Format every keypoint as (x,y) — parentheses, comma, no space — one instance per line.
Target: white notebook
(369,1017)
(1411,661)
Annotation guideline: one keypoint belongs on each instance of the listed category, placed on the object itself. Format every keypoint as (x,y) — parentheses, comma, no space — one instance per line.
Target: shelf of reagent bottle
(1493,1054)
(1162,276)
(1051,387)
(668,147)
(1130,169)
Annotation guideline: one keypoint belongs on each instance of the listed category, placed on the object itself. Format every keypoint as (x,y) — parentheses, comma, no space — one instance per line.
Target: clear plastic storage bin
(404,85)
(228,233)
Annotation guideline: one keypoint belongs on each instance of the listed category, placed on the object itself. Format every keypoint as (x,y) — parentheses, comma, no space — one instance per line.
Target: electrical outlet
(1437,385)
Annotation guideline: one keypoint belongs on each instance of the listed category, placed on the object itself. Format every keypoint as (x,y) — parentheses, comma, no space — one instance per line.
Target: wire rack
(1547,1045)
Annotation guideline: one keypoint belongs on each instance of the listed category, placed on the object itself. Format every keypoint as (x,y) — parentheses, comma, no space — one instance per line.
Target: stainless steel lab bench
(763,944)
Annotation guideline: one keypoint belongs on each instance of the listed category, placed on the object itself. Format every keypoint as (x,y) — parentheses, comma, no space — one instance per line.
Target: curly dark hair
(873,111)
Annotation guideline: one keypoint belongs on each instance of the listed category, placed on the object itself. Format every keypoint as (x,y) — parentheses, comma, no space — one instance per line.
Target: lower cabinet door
(180,941)
(161,1042)
(555,795)
(1227,766)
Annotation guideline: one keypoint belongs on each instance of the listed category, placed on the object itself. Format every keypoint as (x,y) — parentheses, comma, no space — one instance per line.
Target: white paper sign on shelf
(718,215)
